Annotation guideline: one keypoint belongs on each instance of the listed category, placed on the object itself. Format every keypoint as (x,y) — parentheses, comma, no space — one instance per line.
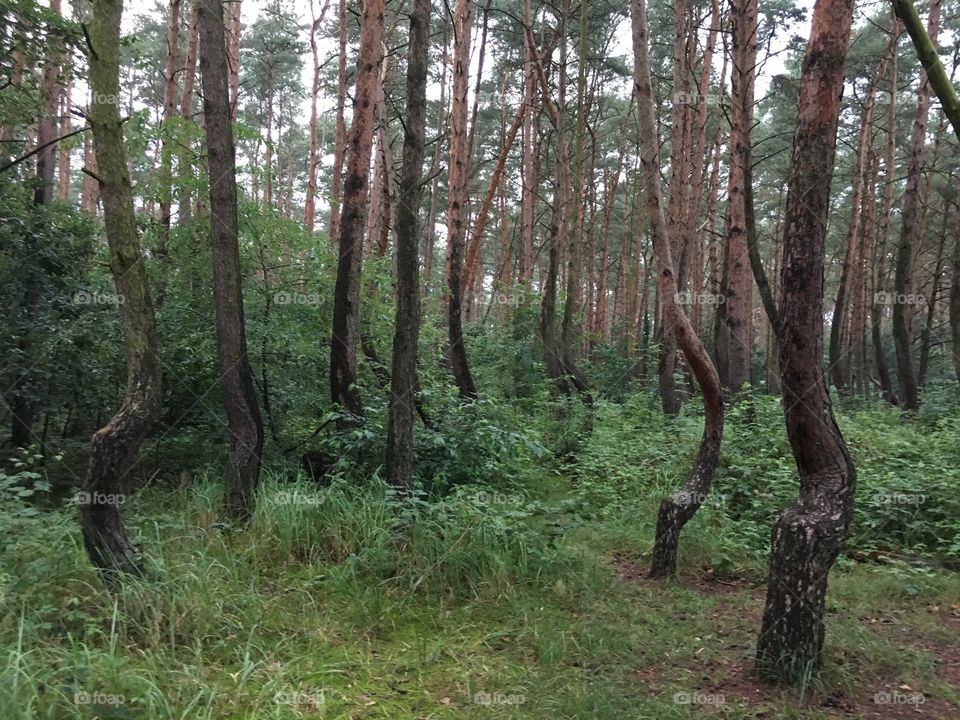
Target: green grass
(343,603)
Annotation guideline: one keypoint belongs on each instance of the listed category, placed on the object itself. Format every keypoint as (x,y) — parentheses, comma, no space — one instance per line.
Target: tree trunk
(459,174)
(236,376)
(346,304)
(955,293)
(403,388)
(906,249)
(185,158)
(676,509)
(808,536)
(313,163)
(837,374)
(165,180)
(738,302)
(114,447)
(340,131)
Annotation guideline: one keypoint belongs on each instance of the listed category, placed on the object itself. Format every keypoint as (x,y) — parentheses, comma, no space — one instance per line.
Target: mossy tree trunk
(114,447)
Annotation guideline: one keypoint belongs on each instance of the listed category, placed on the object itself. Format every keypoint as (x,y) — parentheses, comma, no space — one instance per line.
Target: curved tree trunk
(403,388)
(808,536)
(114,447)
(676,509)
(236,376)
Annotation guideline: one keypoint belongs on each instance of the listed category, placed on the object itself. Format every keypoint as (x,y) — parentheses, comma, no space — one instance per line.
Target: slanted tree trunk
(807,536)
(236,376)
(906,248)
(459,174)
(925,42)
(346,302)
(403,387)
(676,509)
(114,447)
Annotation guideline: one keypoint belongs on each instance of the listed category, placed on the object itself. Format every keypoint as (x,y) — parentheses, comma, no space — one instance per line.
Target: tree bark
(808,536)
(346,305)
(236,376)
(902,311)
(313,163)
(114,447)
(340,131)
(676,509)
(459,174)
(925,42)
(403,387)
(738,302)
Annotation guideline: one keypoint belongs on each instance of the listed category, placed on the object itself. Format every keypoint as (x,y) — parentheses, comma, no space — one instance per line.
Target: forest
(542,359)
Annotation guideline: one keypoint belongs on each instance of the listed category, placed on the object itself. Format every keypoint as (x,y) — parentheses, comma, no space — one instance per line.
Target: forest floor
(333,610)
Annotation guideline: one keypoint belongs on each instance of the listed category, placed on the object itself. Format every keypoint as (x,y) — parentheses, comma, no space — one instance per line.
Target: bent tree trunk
(403,387)
(114,447)
(236,377)
(677,509)
(346,301)
(808,535)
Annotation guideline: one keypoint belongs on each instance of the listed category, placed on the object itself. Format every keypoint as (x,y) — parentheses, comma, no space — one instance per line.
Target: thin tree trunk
(236,376)
(906,248)
(738,302)
(403,388)
(185,158)
(313,162)
(808,536)
(459,174)
(837,373)
(346,307)
(340,131)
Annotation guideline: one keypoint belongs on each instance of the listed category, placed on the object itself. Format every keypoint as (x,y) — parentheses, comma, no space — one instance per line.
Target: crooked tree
(114,447)
(676,509)
(807,536)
